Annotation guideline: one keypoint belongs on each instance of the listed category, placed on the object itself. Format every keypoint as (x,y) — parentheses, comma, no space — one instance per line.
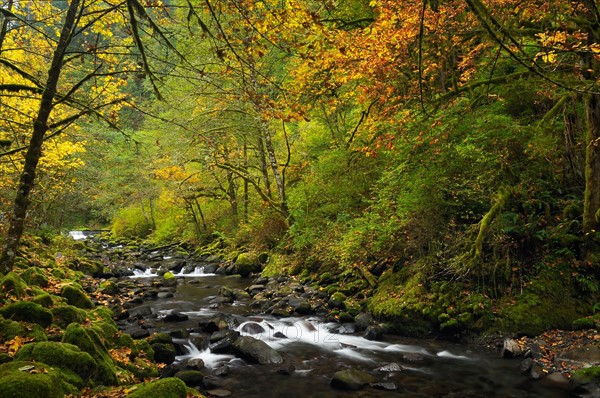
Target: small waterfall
(148,273)
(211,360)
(77,235)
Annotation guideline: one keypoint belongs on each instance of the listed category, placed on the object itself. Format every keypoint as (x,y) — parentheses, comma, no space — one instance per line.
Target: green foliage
(131,223)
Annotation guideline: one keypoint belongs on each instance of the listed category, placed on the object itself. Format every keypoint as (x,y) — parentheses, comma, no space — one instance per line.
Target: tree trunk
(591,200)
(275,168)
(34,151)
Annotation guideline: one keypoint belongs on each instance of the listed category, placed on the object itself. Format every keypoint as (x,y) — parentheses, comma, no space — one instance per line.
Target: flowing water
(313,350)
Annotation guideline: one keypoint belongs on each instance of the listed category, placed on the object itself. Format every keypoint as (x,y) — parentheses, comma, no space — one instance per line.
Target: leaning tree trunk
(591,203)
(34,151)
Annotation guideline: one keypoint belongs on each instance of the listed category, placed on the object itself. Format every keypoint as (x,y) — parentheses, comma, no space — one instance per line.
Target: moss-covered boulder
(44,299)
(247,263)
(89,340)
(170,387)
(546,303)
(108,287)
(27,311)
(9,329)
(61,355)
(76,297)
(35,276)
(585,382)
(67,314)
(24,379)
(12,285)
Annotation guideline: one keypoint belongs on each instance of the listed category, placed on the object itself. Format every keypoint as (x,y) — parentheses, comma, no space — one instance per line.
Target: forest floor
(564,351)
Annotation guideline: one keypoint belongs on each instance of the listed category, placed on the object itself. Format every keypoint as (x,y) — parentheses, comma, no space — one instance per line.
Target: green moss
(246,263)
(20,379)
(170,387)
(546,303)
(35,276)
(9,329)
(67,314)
(108,287)
(76,297)
(44,299)
(586,375)
(28,312)
(12,285)
(88,340)
(168,276)
(62,355)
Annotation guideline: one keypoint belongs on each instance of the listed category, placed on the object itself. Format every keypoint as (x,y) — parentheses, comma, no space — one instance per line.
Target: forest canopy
(409,140)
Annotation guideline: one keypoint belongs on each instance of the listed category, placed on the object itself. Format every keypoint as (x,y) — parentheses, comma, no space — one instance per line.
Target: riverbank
(74,283)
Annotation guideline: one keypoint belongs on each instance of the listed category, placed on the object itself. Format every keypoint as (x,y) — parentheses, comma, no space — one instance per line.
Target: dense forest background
(436,159)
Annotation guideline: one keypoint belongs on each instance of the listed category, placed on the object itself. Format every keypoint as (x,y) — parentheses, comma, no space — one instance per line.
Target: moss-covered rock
(62,355)
(9,329)
(89,340)
(21,379)
(76,297)
(35,276)
(44,299)
(108,287)
(546,303)
(12,285)
(27,311)
(247,263)
(67,314)
(170,387)
(168,276)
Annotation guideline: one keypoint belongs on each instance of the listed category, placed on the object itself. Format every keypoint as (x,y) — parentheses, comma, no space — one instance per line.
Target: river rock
(580,357)
(164,353)
(221,300)
(374,332)
(219,392)
(175,317)
(390,367)
(224,344)
(252,328)
(585,383)
(256,351)
(351,379)
(194,364)
(387,385)
(300,305)
(254,289)
(191,378)
(556,380)
(511,349)
(363,320)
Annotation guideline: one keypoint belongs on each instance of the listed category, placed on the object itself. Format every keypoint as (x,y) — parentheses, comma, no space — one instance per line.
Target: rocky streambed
(228,335)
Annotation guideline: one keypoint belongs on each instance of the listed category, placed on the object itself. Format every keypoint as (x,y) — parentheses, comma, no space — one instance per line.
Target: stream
(313,350)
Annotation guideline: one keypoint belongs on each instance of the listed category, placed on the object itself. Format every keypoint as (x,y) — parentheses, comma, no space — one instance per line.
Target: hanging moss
(27,311)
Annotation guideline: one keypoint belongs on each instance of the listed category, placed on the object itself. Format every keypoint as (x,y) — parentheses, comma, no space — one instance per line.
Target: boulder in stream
(256,351)
(351,379)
